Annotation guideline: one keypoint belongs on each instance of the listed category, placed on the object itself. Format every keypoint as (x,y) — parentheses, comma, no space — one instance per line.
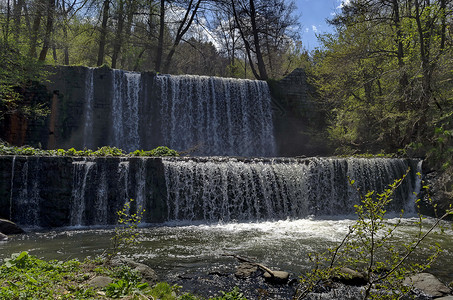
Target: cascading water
(89,98)
(13,164)
(79,205)
(216,116)
(125,110)
(27,203)
(261,189)
(140,186)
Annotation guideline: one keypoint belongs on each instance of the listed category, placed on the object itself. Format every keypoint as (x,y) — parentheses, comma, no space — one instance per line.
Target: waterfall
(89,96)
(27,204)
(79,192)
(125,110)
(230,189)
(13,164)
(61,191)
(216,116)
(140,184)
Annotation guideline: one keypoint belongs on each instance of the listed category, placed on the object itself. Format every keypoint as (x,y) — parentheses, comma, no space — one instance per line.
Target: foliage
(129,283)
(384,75)
(235,294)
(24,276)
(105,151)
(159,151)
(126,232)
(372,247)
(17,74)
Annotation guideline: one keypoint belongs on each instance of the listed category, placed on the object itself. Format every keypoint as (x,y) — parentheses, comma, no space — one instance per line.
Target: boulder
(278,277)
(350,277)
(3,237)
(428,284)
(7,227)
(246,270)
(99,282)
(148,274)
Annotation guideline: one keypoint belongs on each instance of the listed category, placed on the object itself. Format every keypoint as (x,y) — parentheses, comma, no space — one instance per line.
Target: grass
(24,276)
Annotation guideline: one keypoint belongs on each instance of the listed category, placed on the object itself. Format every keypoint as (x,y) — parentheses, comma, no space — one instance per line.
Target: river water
(177,249)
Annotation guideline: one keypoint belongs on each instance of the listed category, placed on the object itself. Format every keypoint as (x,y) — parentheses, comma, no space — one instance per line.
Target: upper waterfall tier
(199,114)
(216,116)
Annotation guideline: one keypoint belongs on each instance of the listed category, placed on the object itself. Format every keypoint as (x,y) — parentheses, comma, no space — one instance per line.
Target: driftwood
(246,260)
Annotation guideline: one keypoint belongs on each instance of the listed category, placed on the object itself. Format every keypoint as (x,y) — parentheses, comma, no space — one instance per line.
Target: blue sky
(312,17)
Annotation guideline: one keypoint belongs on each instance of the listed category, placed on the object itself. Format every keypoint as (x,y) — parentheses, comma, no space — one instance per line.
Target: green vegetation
(372,247)
(26,277)
(105,151)
(19,74)
(384,77)
(159,151)
(126,233)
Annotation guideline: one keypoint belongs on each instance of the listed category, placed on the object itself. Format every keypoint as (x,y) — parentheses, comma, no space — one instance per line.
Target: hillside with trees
(384,77)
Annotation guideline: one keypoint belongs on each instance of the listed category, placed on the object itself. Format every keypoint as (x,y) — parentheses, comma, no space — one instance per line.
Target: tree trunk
(248,49)
(160,42)
(103,37)
(65,34)
(403,81)
(183,27)
(49,27)
(35,29)
(256,41)
(119,34)
(17,14)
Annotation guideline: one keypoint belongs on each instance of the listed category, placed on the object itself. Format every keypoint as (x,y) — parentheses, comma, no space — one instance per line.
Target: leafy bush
(159,151)
(105,151)
(370,247)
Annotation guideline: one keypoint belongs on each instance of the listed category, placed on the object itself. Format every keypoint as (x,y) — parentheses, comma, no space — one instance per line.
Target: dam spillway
(69,191)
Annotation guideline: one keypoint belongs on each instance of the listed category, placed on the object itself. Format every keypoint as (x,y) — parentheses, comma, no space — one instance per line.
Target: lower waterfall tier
(65,191)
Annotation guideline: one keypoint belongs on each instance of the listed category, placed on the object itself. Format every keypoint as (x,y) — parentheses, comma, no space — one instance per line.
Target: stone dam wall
(74,191)
(95,107)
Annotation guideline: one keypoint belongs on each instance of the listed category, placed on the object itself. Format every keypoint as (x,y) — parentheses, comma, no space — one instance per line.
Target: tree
(103,32)
(191,10)
(265,29)
(377,73)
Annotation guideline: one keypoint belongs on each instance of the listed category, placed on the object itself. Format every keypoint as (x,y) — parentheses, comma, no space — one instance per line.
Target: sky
(312,17)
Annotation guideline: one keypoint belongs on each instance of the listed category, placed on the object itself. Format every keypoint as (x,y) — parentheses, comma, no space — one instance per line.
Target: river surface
(177,248)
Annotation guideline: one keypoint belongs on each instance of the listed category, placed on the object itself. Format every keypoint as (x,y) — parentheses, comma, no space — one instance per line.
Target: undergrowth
(24,276)
(105,151)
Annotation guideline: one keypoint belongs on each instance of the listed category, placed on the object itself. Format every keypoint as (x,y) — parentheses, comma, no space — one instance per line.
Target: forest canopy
(384,77)
(239,38)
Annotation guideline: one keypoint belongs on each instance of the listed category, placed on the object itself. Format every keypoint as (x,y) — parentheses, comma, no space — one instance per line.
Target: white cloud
(307,30)
(314,28)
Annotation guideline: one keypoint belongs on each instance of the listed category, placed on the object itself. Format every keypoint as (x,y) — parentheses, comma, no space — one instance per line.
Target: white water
(216,116)
(13,164)
(89,99)
(125,110)
(79,205)
(26,205)
(140,185)
(275,189)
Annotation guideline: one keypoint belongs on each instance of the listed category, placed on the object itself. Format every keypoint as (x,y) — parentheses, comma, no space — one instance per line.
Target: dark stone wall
(299,121)
(42,191)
